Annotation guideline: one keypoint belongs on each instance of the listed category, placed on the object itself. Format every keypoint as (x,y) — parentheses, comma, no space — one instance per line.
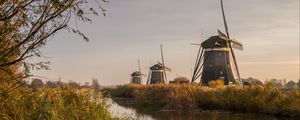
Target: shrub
(219,84)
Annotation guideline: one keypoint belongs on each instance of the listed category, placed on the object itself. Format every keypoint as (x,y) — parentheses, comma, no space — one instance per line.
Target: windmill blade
(143,75)
(148,79)
(167,69)
(235,63)
(164,67)
(163,63)
(236,44)
(139,65)
(227,36)
(224,19)
(222,35)
(195,44)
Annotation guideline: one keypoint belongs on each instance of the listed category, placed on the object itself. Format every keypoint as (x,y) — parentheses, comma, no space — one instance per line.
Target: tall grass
(53,104)
(260,99)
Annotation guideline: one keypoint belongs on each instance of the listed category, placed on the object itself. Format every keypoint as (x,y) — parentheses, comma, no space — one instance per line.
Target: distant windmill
(137,76)
(213,58)
(157,73)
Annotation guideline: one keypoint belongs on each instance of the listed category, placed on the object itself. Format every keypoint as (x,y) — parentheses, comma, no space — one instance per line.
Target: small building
(291,85)
(180,80)
(251,81)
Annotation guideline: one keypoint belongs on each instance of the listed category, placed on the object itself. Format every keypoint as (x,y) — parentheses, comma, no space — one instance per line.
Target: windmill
(157,73)
(137,76)
(213,60)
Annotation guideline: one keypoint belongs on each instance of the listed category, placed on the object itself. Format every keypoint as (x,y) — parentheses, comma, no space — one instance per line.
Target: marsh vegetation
(54,104)
(188,97)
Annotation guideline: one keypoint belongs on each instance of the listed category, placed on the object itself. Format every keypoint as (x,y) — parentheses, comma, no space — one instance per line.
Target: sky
(134,29)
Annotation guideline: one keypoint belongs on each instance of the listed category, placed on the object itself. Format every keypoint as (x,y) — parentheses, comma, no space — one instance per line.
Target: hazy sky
(132,29)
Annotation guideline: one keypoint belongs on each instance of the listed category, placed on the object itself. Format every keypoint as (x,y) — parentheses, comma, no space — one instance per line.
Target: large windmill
(215,56)
(157,73)
(137,76)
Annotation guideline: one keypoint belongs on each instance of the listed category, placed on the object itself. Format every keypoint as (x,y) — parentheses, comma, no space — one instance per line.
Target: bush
(124,91)
(219,84)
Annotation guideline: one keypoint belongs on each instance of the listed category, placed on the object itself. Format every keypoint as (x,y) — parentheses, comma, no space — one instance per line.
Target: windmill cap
(136,73)
(214,42)
(157,67)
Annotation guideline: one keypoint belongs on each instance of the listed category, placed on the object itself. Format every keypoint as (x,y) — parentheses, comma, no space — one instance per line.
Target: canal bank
(122,107)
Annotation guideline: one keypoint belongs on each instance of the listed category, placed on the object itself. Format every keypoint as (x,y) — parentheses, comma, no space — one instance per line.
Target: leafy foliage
(219,84)
(27,25)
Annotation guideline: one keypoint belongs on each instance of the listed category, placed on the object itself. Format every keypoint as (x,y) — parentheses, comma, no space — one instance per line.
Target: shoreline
(263,100)
(199,111)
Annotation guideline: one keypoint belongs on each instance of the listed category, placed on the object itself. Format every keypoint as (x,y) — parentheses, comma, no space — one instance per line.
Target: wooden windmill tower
(137,76)
(214,58)
(157,73)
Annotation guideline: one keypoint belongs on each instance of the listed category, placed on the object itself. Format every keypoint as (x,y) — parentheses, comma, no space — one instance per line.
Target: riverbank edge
(186,98)
(151,110)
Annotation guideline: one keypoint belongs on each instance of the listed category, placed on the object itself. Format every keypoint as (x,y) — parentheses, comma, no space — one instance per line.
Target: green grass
(258,99)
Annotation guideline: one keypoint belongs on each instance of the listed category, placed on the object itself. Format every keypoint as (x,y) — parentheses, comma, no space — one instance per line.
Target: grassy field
(54,104)
(258,99)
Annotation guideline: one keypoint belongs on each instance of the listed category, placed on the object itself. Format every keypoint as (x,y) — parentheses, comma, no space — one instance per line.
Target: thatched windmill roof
(136,73)
(159,66)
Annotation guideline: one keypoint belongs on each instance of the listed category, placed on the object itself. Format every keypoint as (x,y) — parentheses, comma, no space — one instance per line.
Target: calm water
(123,107)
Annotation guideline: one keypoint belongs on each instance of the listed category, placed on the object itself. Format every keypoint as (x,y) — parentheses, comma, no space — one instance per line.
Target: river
(123,107)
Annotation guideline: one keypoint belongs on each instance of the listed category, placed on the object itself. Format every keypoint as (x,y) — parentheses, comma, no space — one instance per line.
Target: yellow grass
(260,99)
(54,104)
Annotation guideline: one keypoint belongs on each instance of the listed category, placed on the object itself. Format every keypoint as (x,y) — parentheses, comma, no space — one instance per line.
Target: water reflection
(120,107)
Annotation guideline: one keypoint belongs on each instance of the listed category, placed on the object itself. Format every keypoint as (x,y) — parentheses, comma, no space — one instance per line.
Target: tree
(51,84)
(37,83)
(27,25)
(86,85)
(95,84)
(73,84)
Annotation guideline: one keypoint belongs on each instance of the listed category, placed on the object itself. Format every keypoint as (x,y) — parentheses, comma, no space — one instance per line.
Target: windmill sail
(236,44)
(216,59)
(157,74)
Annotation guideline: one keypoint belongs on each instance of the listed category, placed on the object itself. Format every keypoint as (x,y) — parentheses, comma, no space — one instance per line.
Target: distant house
(180,80)
(251,81)
(276,82)
(291,85)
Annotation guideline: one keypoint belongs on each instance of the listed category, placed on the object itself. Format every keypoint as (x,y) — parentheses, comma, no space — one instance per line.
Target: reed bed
(186,97)
(54,104)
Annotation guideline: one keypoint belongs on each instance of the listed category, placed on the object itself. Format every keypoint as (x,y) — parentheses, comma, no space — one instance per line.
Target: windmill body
(136,78)
(157,74)
(216,64)
(215,60)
